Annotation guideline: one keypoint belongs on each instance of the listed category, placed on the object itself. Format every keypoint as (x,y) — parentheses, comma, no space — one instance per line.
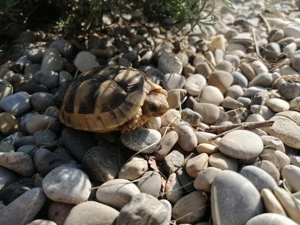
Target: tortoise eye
(153,108)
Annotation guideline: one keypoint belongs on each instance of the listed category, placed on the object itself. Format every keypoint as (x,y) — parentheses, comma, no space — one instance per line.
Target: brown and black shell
(106,99)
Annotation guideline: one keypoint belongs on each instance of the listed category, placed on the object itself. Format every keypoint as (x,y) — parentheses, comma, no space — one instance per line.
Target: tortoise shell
(110,99)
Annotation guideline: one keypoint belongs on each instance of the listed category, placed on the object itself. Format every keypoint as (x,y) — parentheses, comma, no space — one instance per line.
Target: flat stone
(209,112)
(16,104)
(85,61)
(142,139)
(195,164)
(230,192)
(103,162)
(291,174)
(171,117)
(191,208)
(89,211)
(289,203)
(220,79)
(271,203)
(58,187)
(278,105)
(258,177)
(52,60)
(241,144)
(187,139)
(18,162)
(150,183)
(225,65)
(141,209)
(248,70)
(134,168)
(44,137)
(270,219)
(24,209)
(116,193)
(223,162)
(205,178)
(195,84)
(292,31)
(173,161)
(234,91)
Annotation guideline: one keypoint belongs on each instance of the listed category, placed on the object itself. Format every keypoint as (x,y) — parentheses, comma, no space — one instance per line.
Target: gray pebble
(42,100)
(262,79)
(196,163)
(7,177)
(191,208)
(59,211)
(48,78)
(205,178)
(241,144)
(291,174)
(288,90)
(173,161)
(291,31)
(239,79)
(258,177)
(223,162)
(142,139)
(35,55)
(195,84)
(85,61)
(209,112)
(271,51)
(270,219)
(116,193)
(142,210)
(52,60)
(18,162)
(173,189)
(169,63)
(16,104)
(150,183)
(103,162)
(211,94)
(227,195)
(60,189)
(64,47)
(173,81)
(191,117)
(45,137)
(40,122)
(24,209)
(134,168)
(89,211)
(6,88)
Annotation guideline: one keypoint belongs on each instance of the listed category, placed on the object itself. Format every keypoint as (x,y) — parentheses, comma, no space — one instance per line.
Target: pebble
(116,193)
(169,63)
(291,31)
(191,117)
(103,162)
(278,158)
(150,183)
(289,203)
(16,104)
(295,104)
(271,203)
(42,222)
(218,42)
(207,148)
(142,209)
(52,60)
(173,189)
(269,167)
(85,61)
(175,97)
(262,79)
(295,60)
(227,196)
(211,94)
(18,162)
(8,123)
(134,168)
(241,144)
(269,219)
(225,66)
(170,118)
(234,91)
(47,78)
(45,137)
(205,178)
(287,130)
(89,211)
(6,88)
(291,174)
(194,84)
(191,208)
(209,112)
(58,185)
(142,140)
(223,162)
(258,177)
(289,90)
(247,70)
(24,209)
(35,55)
(273,142)
(64,47)
(173,81)
(173,161)
(195,164)
(220,79)
(187,139)
(166,144)
(7,177)
(59,211)
(41,100)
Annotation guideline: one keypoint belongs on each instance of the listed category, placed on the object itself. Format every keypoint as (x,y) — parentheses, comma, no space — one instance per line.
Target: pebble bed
(174,169)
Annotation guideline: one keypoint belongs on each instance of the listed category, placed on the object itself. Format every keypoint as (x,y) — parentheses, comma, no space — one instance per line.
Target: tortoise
(112,98)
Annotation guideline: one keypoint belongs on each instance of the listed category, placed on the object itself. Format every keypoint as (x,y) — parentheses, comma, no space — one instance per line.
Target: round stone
(116,193)
(269,167)
(262,79)
(166,144)
(270,219)
(173,188)
(150,183)
(58,186)
(64,47)
(220,79)
(211,94)
(278,105)
(205,178)
(85,61)
(196,164)
(241,144)
(16,104)
(169,63)
(187,139)
(209,112)
(195,84)
(8,123)
(191,117)
(173,81)
(89,211)
(173,161)
(230,192)
(191,208)
(142,139)
(278,158)
(291,174)
(52,60)
(134,168)
(41,100)
(6,88)
(175,97)
(223,162)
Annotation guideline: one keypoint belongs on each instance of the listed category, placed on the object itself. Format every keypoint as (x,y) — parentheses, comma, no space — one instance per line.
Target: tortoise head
(155,103)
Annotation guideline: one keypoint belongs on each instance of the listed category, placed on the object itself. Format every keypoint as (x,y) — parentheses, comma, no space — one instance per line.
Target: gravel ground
(225,153)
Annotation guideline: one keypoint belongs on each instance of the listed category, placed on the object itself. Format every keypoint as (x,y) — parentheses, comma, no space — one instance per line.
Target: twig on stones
(222,130)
